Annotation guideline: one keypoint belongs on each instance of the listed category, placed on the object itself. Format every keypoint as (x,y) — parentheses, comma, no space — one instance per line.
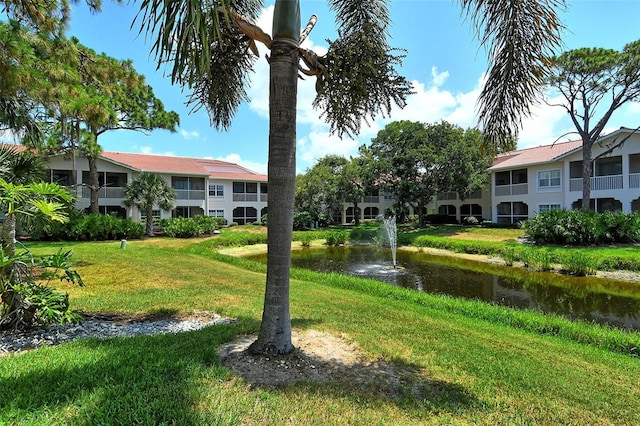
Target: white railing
(188,194)
(264,198)
(515,189)
(599,183)
(371,199)
(245,197)
(634,180)
(104,192)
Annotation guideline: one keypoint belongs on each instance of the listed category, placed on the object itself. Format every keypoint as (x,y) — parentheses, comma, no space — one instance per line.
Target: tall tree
(110,95)
(594,83)
(403,162)
(208,48)
(146,191)
(320,191)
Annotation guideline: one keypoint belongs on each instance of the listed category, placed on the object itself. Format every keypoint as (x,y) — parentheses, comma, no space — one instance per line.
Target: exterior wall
(477,205)
(229,201)
(623,187)
(615,183)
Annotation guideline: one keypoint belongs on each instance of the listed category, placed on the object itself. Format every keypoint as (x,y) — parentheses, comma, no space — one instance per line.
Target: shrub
(305,239)
(90,227)
(337,238)
(208,224)
(182,227)
(302,220)
(578,263)
(580,227)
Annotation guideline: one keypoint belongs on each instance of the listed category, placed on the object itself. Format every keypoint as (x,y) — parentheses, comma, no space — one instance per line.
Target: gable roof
(216,169)
(535,155)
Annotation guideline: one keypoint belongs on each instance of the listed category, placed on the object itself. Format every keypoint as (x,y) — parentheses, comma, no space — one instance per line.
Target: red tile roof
(184,165)
(536,155)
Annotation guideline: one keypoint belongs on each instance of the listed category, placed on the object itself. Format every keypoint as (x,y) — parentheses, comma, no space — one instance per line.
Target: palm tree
(147,190)
(209,45)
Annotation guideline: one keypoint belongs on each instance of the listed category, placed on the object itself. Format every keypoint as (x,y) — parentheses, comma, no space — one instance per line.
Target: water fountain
(391,228)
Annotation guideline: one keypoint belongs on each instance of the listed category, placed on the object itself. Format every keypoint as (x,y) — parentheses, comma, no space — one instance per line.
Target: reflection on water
(591,299)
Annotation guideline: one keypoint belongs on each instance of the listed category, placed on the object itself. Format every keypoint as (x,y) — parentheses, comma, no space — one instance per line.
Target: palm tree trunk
(8,240)
(275,329)
(149,223)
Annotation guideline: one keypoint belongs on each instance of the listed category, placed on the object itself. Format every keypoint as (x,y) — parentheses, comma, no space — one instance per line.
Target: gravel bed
(104,328)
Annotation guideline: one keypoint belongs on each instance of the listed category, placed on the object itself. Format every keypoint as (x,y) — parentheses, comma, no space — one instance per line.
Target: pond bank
(621,275)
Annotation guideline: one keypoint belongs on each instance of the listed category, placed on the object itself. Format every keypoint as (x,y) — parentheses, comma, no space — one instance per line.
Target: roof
(536,155)
(215,169)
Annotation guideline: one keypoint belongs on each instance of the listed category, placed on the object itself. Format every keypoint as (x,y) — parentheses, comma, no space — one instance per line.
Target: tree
(415,161)
(594,83)
(109,95)
(403,160)
(319,191)
(208,47)
(146,191)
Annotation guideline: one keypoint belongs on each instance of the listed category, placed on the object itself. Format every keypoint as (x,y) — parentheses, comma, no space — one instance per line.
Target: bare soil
(322,357)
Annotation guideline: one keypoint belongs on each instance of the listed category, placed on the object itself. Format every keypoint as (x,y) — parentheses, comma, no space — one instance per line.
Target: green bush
(182,227)
(208,224)
(337,238)
(302,220)
(90,227)
(583,227)
(306,239)
(578,263)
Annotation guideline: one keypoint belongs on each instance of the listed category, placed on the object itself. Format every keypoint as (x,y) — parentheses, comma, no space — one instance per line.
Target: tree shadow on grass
(332,365)
(148,379)
(173,378)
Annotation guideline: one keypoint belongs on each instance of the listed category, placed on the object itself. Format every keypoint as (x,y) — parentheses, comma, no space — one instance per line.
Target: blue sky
(444,61)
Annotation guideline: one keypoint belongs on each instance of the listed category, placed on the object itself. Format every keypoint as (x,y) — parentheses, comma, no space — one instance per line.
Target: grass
(474,363)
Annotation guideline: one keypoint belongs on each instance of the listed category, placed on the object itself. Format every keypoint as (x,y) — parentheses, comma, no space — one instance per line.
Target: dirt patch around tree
(322,357)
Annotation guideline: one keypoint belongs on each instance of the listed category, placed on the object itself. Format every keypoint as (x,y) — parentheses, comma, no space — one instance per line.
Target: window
(154,213)
(216,213)
(512,213)
(371,212)
(543,208)
(244,215)
(245,191)
(549,179)
(216,191)
(61,177)
(609,166)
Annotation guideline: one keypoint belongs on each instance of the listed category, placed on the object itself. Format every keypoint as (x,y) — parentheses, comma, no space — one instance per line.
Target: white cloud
(149,150)
(190,135)
(251,165)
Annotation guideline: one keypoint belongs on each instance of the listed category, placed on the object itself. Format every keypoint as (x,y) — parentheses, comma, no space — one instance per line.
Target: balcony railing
(442,196)
(371,199)
(245,197)
(264,198)
(599,183)
(190,194)
(105,192)
(634,180)
(515,189)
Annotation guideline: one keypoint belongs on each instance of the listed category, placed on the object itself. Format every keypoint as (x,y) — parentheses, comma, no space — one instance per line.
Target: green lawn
(472,363)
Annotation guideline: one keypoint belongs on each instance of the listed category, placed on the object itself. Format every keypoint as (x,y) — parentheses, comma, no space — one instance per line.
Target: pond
(612,302)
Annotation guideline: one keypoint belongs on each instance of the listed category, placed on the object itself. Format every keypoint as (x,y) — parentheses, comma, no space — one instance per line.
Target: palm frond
(521,36)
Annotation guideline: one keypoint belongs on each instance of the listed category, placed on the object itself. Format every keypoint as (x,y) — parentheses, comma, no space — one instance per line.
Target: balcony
(190,194)
(374,199)
(601,183)
(515,189)
(444,196)
(104,192)
(634,180)
(245,197)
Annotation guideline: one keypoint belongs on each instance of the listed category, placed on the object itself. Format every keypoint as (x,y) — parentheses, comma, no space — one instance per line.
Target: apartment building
(527,181)
(202,186)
